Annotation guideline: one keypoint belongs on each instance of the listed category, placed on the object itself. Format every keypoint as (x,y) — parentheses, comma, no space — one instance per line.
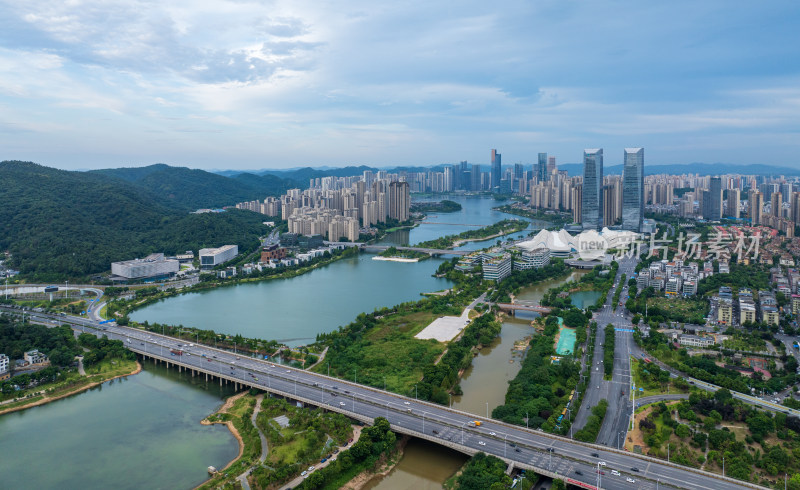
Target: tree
(559,485)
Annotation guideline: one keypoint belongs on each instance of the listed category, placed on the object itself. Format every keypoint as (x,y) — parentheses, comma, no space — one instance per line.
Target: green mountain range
(190,189)
(58,224)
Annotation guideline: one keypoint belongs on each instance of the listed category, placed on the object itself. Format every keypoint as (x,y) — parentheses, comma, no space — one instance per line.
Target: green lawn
(651,388)
(388,351)
(684,307)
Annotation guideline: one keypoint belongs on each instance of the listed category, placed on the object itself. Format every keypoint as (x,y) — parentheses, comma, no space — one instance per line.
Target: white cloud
(300,82)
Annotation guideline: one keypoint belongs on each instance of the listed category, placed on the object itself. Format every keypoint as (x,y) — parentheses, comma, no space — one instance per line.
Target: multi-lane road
(538,451)
(617,390)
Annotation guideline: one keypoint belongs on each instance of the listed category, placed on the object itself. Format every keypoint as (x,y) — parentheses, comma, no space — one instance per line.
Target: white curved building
(562,244)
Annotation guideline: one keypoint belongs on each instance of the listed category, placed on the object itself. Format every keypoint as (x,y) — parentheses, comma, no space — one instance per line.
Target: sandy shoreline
(224,409)
(394,259)
(47,399)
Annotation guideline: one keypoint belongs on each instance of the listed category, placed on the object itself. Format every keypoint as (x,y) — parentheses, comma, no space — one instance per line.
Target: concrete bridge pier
(510,468)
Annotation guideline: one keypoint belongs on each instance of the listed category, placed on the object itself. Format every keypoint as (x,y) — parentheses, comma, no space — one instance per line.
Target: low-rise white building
(212,257)
(695,340)
(3,363)
(532,259)
(497,266)
(154,265)
(35,357)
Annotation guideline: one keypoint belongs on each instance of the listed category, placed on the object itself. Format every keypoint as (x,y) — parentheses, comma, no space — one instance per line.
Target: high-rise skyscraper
(734,196)
(399,201)
(633,189)
(776,204)
(541,168)
(496,172)
(712,200)
(795,208)
(592,198)
(551,165)
(755,205)
(475,178)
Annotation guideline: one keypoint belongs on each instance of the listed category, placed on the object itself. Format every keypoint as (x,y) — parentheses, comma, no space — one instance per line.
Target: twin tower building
(592,199)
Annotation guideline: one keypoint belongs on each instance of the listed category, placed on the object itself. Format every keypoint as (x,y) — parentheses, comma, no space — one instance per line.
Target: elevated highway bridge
(546,454)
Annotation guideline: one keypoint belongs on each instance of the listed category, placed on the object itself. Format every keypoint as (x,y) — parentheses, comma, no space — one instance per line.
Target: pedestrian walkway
(264,447)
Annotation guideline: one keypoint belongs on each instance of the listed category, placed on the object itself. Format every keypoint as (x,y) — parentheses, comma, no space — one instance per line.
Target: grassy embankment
(236,413)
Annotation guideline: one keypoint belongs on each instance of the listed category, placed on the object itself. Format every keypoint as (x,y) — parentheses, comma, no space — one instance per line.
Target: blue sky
(275,84)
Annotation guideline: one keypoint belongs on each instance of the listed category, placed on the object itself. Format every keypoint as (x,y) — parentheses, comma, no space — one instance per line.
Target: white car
(341,403)
(630,480)
(481,443)
(288,371)
(492,434)
(406,403)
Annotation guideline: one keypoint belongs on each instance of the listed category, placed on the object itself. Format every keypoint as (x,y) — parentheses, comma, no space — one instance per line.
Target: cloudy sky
(275,84)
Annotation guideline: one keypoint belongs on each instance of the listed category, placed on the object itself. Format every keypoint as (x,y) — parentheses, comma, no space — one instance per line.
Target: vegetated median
(618,292)
(594,422)
(608,351)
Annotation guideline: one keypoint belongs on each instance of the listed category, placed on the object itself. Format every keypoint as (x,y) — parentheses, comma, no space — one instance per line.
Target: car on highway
(406,403)
(630,480)
(578,472)
(341,403)
(615,472)
(595,455)
(492,434)
(635,469)
(481,443)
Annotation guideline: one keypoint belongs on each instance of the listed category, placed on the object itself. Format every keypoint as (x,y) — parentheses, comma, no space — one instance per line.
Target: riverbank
(126,309)
(228,405)
(383,468)
(45,398)
(500,228)
(557,219)
(462,241)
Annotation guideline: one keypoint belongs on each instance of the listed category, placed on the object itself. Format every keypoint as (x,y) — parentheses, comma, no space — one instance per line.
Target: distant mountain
(189,189)
(304,174)
(575,169)
(60,224)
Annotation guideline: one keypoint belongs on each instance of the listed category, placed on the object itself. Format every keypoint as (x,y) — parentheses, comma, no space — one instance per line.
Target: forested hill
(189,189)
(59,224)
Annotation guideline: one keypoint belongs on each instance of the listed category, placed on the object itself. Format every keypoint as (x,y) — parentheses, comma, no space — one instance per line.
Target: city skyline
(221,85)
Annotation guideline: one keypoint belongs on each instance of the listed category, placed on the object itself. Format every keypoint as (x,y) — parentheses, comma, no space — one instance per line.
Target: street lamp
(487,410)
(416,394)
